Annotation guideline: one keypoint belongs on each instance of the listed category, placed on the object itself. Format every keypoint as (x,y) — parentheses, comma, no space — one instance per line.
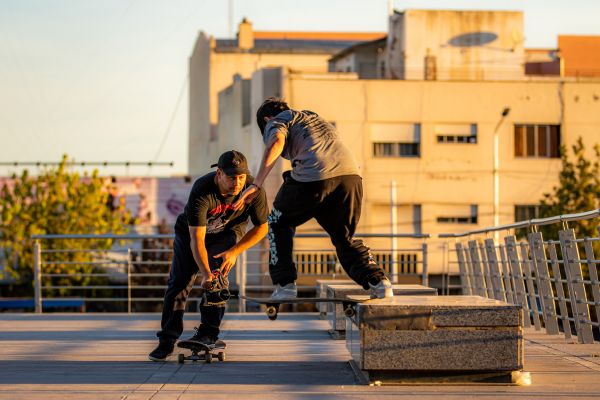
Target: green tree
(578,190)
(56,201)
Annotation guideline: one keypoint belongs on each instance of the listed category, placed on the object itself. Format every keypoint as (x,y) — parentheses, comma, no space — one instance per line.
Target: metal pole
(129,280)
(394,228)
(496,150)
(496,186)
(425,276)
(242,281)
(37,275)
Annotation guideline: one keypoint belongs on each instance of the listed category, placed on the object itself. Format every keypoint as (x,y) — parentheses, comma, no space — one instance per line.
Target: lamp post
(496,169)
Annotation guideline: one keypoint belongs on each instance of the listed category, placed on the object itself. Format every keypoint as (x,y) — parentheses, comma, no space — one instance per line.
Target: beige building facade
(456,45)
(435,140)
(432,132)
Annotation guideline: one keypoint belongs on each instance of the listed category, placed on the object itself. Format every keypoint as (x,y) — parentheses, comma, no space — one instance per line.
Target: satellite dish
(473,39)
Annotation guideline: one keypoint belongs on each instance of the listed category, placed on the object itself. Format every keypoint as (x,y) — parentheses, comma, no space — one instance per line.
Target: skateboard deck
(201,352)
(273,304)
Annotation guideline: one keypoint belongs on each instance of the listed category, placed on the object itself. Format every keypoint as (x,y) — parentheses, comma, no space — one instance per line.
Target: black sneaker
(161,352)
(202,337)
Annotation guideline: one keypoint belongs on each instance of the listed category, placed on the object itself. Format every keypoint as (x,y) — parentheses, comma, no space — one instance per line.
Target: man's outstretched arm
(197,236)
(251,237)
(272,152)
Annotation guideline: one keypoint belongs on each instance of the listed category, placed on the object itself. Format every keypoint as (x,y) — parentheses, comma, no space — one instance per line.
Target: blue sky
(106,79)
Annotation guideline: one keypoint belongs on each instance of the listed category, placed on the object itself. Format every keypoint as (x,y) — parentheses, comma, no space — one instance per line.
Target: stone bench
(436,339)
(343,291)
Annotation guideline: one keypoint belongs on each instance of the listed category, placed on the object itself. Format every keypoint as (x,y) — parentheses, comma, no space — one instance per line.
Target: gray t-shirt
(312,145)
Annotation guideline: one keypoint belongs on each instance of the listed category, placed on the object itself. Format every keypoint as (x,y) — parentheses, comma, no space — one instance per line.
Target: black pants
(181,279)
(336,204)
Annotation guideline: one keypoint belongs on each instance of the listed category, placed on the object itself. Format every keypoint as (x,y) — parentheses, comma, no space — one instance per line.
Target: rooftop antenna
(231,18)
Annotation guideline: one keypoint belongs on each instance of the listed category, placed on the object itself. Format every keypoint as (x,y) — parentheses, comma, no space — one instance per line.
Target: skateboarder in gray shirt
(324,184)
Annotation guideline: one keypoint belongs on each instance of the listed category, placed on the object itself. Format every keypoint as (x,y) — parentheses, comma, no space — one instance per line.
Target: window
(524,212)
(458,133)
(460,219)
(396,140)
(542,141)
(396,149)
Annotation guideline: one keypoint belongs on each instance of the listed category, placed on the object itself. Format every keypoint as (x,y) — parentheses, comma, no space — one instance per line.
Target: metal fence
(126,272)
(555,280)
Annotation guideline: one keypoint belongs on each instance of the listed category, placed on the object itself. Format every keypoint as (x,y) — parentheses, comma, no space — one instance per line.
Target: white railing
(555,280)
(134,270)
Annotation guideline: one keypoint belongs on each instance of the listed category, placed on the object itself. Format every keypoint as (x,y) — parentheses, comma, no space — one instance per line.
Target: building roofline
(299,35)
(456,10)
(355,47)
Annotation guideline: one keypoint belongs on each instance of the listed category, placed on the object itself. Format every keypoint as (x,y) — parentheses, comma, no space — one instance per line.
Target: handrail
(553,279)
(171,236)
(410,260)
(526,224)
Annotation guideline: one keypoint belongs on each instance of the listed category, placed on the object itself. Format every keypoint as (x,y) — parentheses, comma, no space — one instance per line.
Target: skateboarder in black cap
(209,235)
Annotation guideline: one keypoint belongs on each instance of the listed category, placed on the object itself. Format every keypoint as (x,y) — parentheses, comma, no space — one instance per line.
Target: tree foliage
(578,190)
(57,201)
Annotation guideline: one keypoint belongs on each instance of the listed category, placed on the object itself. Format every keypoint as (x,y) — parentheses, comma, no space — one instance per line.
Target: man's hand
(207,281)
(246,197)
(228,257)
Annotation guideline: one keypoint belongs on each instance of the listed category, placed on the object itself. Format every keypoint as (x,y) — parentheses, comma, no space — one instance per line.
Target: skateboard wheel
(272,313)
(180,358)
(208,358)
(221,356)
(349,312)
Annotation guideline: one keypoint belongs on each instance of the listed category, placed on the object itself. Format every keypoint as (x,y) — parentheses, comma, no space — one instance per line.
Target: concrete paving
(104,356)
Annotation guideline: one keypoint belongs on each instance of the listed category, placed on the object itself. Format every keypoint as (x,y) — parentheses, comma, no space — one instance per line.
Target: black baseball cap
(232,163)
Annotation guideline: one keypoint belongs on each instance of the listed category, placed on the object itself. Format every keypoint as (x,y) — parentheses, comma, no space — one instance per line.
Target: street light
(503,116)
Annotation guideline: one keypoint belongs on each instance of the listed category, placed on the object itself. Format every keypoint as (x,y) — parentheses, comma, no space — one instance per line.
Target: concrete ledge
(322,291)
(453,335)
(336,312)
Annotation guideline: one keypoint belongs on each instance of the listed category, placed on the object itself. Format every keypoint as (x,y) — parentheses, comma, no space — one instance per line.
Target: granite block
(462,349)
(337,317)
(436,333)
(437,311)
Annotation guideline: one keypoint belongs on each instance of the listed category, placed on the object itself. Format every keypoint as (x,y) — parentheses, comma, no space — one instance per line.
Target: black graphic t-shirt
(206,206)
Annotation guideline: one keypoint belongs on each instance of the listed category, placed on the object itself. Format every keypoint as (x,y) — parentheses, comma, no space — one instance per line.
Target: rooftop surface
(104,356)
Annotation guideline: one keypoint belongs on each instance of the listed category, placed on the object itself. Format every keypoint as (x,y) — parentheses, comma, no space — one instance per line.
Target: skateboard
(273,304)
(201,352)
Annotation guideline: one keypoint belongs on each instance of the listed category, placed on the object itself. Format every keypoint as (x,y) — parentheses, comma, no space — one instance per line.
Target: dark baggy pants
(181,279)
(336,204)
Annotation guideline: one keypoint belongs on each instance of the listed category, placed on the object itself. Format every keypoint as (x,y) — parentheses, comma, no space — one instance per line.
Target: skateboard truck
(218,288)
(273,309)
(201,352)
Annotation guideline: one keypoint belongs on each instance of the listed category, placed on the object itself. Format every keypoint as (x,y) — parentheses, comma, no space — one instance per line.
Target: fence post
(425,276)
(129,280)
(394,229)
(479,278)
(242,269)
(517,279)
(544,286)
(465,279)
(494,269)
(572,263)
(37,275)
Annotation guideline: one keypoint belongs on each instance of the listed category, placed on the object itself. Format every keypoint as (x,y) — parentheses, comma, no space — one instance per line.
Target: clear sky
(106,79)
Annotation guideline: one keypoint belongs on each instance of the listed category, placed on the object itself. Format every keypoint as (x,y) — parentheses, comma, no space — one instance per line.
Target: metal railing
(554,280)
(124,272)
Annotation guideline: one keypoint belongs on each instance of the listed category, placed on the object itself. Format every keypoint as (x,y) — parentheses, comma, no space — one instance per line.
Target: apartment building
(215,62)
(433,131)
